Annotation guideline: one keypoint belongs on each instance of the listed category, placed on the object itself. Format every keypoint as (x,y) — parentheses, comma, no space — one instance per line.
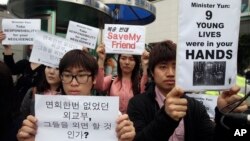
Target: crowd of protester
(153,108)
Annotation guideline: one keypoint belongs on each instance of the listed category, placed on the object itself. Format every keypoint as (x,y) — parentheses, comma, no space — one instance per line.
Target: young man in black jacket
(164,112)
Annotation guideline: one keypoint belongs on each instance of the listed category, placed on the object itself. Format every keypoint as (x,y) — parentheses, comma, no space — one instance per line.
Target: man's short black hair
(161,51)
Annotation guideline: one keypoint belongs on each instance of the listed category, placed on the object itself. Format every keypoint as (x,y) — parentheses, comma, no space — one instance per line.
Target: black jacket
(153,124)
(27,77)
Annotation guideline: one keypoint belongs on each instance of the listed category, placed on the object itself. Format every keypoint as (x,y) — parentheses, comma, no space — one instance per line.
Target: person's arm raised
(7,48)
(100,50)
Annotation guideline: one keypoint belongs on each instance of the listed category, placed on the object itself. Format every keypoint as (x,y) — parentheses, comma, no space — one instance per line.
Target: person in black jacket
(29,74)
(164,112)
(78,71)
(6,100)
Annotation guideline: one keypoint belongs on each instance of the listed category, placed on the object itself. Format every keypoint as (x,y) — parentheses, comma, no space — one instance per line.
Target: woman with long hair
(127,82)
(49,85)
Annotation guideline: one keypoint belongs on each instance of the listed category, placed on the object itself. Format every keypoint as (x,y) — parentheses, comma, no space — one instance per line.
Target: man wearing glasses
(78,72)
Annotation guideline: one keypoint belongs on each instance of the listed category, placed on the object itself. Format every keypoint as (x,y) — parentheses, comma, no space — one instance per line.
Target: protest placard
(83,34)
(78,118)
(48,49)
(20,31)
(207,44)
(209,101)
(125,39)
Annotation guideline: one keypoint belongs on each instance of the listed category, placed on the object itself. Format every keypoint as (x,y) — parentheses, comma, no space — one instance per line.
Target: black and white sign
(207,44)
(48,49)
(82,34)
(20,31)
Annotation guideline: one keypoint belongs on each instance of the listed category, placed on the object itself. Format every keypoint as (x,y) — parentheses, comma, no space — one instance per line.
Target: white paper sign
(209,101)
(82,34)
(48,49)
(207,44)
(124,39)
(20,31)
(76,118)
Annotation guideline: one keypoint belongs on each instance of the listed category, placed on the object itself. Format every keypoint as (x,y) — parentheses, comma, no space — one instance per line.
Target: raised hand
(175,105)
(2,36)
(28,130)
(144,61)
(100,50)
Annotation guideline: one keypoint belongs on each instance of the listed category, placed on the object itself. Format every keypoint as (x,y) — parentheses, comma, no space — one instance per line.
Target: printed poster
(48,49)
(83,34)
(207,44)
(20,31)
(124,39)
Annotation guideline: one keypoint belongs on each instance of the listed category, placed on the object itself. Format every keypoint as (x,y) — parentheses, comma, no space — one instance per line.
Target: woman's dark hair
(135,77)
(161,51)
(81,59)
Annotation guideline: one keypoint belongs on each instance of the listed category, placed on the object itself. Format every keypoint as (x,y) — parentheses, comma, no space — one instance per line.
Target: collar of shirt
(178,134)
(159,97)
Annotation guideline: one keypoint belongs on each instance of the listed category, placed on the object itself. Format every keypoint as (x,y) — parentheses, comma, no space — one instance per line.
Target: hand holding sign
(7,48)
(28,129)
(125,129)
(175,106)
(229,97)
(2,36)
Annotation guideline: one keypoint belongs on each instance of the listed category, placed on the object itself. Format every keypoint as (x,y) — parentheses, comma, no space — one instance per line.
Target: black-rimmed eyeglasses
(80,78)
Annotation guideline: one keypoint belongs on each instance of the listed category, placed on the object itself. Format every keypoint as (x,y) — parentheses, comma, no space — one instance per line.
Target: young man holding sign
(164,112)
(78,72)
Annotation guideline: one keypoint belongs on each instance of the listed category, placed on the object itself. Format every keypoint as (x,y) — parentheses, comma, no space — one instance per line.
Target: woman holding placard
(127,82)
